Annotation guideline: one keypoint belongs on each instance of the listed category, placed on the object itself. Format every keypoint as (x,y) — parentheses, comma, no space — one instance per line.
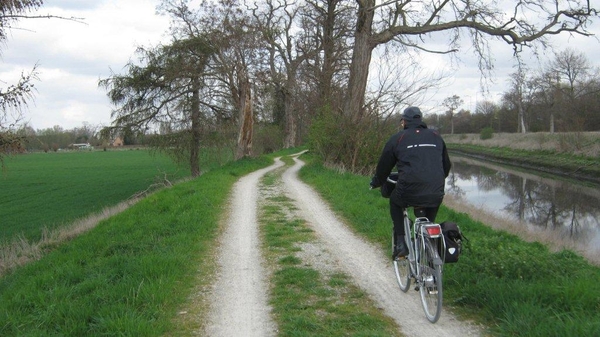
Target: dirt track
(239,303)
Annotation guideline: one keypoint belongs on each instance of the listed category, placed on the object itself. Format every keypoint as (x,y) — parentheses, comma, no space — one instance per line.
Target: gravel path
(239,298)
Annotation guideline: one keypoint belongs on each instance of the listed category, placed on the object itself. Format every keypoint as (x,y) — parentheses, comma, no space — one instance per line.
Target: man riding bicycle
(422,160)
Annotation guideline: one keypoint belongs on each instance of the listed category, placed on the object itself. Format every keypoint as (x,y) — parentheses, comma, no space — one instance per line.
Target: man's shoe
(400,249)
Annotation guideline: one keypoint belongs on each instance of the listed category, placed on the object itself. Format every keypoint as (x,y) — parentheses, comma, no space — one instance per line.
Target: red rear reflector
(434,230)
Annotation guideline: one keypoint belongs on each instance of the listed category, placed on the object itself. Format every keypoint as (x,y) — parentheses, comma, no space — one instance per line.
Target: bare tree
(245,136)
(562,91)
(547,96)
(452,103)
(232,69)
(411,23)
(331,21)
(518,82)
(15,97)
(573,69)
(235,65)
(288,48)
(486,115)
(569,79)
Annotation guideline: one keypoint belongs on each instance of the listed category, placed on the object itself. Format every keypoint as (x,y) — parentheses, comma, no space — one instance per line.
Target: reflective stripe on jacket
(422,161)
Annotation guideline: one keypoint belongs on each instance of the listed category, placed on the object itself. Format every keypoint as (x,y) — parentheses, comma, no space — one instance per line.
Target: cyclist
(422,160)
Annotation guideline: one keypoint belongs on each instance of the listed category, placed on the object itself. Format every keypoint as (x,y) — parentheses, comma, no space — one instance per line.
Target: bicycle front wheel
(430,276)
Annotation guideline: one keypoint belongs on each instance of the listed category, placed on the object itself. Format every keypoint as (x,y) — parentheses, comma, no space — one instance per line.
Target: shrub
(486,133)
(268,138)
(348,145)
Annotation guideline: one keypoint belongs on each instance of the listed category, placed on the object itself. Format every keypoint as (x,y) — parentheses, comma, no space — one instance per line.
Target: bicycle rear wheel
(402,269)
(430,276)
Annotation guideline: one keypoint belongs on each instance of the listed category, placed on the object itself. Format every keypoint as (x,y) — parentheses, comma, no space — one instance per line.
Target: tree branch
(474,19)
(47,16)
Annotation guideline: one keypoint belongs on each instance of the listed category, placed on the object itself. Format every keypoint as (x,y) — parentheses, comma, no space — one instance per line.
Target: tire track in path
(238,305)
(369,267)
(239,297)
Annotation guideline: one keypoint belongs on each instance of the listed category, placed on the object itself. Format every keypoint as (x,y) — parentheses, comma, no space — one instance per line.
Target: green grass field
(129,275)
(52,189)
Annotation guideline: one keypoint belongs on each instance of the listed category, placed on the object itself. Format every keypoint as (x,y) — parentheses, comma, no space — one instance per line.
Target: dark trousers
(397,213)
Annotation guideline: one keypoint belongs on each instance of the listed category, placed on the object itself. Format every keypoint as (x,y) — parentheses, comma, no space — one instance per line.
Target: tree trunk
(521,117)
(289,98)
(326,76)
(361,59)
(290,115)
(290,125)
(195,142)
(244,144)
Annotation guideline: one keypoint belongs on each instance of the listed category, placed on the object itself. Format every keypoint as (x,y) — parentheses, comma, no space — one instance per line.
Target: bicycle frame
(423,228)
(423,264)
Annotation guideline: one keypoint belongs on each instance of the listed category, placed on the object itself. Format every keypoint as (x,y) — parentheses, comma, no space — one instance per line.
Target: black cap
(411,113)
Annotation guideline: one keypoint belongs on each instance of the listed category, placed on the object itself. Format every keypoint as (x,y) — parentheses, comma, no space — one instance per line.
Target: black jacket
(422,160)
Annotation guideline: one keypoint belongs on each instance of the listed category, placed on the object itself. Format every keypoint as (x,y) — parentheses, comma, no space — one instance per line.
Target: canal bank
(571,155)
(561,164)
(574,156)
(560,212)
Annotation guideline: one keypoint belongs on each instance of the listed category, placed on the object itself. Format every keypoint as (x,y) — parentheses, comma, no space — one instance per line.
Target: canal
(550,206)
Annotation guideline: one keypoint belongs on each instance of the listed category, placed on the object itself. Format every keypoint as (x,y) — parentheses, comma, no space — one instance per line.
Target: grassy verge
(308,300)
(512,286)
(130,274)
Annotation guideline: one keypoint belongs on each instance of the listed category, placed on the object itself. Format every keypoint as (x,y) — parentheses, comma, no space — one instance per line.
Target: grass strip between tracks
(309,300)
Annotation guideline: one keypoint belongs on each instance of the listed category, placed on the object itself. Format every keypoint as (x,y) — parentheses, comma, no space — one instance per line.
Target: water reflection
(545,204)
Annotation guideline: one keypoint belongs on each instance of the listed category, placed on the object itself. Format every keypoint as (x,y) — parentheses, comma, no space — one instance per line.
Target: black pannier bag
(453,238)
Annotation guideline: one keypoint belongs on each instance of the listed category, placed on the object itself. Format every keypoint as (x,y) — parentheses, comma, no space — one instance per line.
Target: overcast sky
(72,57)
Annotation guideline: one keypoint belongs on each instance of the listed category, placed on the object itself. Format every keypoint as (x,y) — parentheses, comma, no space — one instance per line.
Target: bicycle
(423,263)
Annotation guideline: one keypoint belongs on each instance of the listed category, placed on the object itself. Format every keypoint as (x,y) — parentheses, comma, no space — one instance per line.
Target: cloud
(72,56)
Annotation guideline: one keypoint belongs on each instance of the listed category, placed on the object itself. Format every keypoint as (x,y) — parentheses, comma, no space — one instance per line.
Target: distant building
(82,146)
(117,141)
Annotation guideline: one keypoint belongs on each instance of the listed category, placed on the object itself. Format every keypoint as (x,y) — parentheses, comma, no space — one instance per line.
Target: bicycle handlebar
(389,179)
(393,177)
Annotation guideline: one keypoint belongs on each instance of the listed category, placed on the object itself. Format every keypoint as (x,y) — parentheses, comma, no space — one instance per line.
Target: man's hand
(375,182)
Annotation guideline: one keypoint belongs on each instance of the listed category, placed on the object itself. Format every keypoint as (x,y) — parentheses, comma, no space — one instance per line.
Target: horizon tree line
(301,72)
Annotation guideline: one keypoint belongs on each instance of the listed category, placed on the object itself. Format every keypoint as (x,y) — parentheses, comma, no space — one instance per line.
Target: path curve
(239,298)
